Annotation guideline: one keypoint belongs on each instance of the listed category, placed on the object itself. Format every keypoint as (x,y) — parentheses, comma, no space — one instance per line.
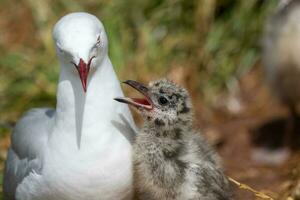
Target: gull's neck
(86,117)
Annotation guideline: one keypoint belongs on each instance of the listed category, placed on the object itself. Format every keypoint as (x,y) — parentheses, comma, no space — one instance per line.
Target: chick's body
(171,159)
(181,168)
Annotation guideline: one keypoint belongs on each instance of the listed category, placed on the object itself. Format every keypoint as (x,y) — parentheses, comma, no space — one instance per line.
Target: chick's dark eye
(162,100)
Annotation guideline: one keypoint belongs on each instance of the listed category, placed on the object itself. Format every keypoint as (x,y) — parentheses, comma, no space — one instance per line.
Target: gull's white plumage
(82,149)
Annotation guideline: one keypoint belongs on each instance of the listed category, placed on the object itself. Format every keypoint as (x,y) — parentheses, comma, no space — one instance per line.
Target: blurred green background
(205,44)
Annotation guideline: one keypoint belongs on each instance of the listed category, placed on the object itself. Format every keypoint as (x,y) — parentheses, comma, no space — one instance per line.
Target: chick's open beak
(145,102)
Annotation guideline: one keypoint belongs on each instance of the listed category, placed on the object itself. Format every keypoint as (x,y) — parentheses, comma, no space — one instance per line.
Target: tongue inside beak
(83,70)
(142,101)
(136,102)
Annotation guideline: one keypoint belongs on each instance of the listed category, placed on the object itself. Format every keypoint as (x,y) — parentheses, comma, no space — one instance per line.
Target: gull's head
(81,44)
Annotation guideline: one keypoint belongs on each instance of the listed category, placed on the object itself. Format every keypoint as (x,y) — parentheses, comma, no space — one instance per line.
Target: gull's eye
(60,48)
(163,101)
(98,42)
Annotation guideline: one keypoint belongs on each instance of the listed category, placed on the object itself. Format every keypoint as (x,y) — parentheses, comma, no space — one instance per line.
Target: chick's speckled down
(171,159)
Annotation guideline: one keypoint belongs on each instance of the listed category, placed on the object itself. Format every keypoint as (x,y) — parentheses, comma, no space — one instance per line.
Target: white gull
(81,149)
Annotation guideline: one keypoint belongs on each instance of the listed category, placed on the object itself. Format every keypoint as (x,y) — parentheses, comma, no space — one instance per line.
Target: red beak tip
(83,70)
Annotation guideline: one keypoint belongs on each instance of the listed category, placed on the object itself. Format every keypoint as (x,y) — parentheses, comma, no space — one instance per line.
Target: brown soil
(260,121)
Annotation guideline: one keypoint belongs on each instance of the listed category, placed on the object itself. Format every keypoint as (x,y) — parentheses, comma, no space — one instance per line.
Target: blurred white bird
(81,149)
(282,60)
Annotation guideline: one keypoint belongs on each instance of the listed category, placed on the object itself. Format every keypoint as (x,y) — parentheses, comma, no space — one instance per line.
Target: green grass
(220,40)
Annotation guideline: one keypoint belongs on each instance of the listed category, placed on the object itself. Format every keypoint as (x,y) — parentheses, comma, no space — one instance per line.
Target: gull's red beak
(83,70)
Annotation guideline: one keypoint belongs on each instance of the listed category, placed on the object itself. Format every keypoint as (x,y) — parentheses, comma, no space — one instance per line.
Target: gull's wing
(27,146)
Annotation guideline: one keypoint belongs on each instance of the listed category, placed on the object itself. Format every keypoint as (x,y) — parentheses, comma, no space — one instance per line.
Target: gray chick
(281,58)
(171,159)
